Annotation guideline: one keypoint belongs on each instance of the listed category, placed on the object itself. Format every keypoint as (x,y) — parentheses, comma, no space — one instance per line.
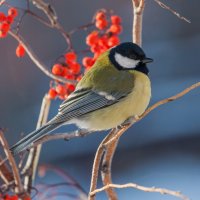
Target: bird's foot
(129,121)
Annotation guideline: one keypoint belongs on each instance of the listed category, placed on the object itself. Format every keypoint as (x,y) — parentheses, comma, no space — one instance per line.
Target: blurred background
(163,149)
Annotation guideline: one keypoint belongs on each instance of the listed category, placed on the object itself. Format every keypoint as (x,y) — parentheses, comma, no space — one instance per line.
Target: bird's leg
(129,121)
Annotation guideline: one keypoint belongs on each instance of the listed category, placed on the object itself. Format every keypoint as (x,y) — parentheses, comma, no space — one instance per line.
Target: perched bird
(116,88)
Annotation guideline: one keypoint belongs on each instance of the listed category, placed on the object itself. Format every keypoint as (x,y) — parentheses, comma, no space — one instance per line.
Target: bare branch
(162,5)
(142,188)
(51,14)
(65,136)
(96,163)
(19,187)
(2,2)
(36,60)
(138,8)
(33,157)
(5,173)
(106,169)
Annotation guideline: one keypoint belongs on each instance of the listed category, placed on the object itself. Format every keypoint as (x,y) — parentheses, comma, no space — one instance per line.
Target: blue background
(163,149)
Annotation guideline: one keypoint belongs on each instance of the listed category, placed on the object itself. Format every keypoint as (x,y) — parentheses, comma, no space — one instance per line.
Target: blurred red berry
(101,24)
(95,49)
(57,69)
(115,29)
(3,34)
(100,15)
(103,41)
(61,90)
(88,62)
(92,38)
(2,17)
(12,12)
(52,93)
(75,68)
(9,19)
(79,78)
(20,51)
(71,56)
(115,19)
(4,26)
(70,77)
(113,40)
(70,87)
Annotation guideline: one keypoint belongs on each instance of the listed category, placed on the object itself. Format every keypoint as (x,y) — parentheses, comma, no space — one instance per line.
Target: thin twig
(106,169)
(162,5)
(142,188)
(33,157)
(5,172)
(65,136)
(37,61)
(96,163)
(51,14)
(2,2)
(19,187)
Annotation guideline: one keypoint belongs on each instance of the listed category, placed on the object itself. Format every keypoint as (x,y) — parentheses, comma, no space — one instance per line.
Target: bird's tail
(28,140)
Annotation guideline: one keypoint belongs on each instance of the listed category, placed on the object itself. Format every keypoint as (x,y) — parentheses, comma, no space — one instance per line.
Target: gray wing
(85,101)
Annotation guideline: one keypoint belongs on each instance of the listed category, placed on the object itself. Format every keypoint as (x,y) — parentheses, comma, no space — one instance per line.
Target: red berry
(115,19)
(3,34)
(20,51)
(115,29)
(88,62)
(9,19)
(75,68)
(2,17)
(79,78)
(71,56)
(52,93)
(57,69)
(92,38)
(4,26)
(70,77)
(12,12)
(101,24)
(113,40)
(95,49)
(61,90)
(100,15)
(103,41)
(70,87)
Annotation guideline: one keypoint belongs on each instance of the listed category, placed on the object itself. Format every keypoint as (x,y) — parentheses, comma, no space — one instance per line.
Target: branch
(17,180)
(51,14)
(96,164)
(142,188)
(33,157)
(5,173)
(37,61)
(106,169)
(138,8)
(65,136)
(2,2)
(162,5)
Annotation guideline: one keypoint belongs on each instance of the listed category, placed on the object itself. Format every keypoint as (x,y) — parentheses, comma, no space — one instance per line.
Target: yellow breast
(134,104)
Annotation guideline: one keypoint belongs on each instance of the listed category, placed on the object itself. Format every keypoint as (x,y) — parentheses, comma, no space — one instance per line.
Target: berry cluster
(5,23)
(104,36)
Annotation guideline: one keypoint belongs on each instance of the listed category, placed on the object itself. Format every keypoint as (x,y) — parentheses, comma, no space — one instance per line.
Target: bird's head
(129,56)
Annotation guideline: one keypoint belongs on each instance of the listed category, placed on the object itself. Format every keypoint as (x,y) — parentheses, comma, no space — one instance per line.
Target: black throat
(141,67)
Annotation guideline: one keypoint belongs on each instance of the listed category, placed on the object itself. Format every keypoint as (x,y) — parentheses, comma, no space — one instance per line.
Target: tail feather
(28,140)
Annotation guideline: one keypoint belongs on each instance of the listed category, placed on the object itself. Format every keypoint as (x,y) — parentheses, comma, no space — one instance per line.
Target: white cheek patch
(125,62)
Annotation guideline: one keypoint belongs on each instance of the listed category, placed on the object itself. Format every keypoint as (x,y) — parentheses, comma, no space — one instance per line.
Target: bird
(116,88)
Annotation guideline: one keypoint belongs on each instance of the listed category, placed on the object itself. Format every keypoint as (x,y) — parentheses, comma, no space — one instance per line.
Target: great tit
(116,88)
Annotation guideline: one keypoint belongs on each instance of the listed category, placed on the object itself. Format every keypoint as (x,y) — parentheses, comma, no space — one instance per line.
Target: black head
(129,56)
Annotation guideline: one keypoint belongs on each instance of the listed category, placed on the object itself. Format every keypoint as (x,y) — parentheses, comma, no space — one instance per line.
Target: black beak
(147,60)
